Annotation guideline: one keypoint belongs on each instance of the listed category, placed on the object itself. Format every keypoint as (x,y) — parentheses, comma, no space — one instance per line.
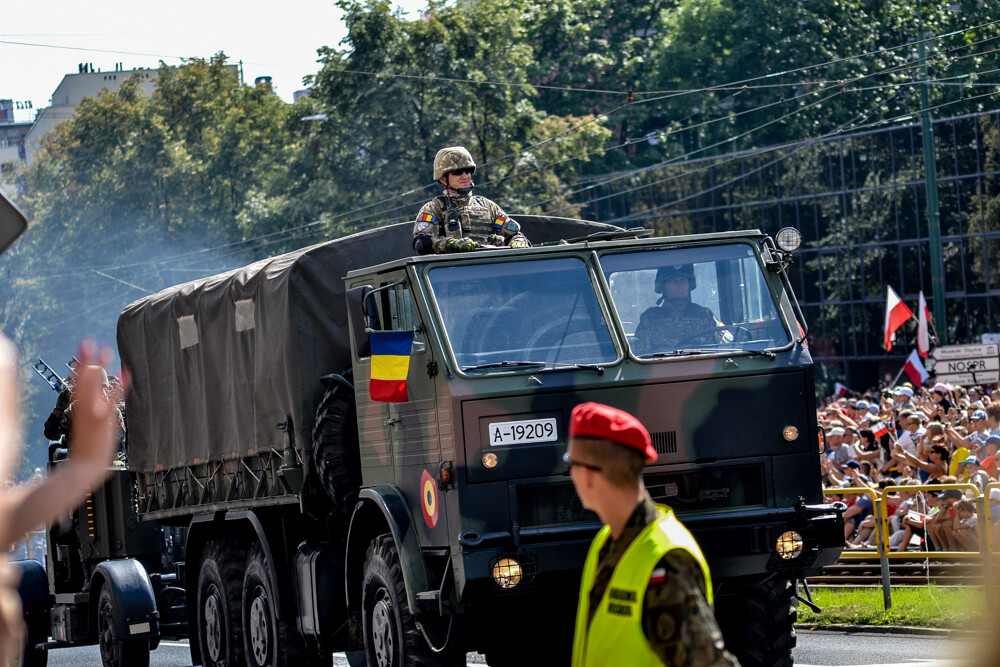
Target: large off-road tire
(33,590)
(757,622)
(269,641)
(335,444)
(115,651)
(390,631)
(220,585)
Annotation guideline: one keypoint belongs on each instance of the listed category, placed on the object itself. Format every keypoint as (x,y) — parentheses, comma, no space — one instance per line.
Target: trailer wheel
(390,630)
(220,583)
(757,622)
(335,445)
(115,651)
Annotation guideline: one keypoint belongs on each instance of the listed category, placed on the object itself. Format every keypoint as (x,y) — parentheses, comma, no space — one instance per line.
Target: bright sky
(271,38)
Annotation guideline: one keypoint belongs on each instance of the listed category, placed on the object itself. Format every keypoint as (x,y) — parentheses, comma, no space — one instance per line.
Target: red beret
(594,420)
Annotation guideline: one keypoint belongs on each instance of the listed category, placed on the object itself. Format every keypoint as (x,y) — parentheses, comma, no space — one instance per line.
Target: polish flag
(923,317)
(840,390)
(896,313)
(880,429)
(915,369)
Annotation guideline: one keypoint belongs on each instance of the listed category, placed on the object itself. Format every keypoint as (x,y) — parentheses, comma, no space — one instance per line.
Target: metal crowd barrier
(987,550)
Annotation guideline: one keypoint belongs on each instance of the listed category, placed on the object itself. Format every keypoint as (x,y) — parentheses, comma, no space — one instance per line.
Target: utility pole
(930,183)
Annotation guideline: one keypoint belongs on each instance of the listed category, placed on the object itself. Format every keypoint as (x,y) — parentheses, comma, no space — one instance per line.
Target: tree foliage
(572,107)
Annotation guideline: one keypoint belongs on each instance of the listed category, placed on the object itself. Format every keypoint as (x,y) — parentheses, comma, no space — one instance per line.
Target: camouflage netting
(218,362)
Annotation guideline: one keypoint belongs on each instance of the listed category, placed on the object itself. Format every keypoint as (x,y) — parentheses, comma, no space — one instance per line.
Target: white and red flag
(880,429)
(896,313)
(840,390)
(915,369)
(923,317)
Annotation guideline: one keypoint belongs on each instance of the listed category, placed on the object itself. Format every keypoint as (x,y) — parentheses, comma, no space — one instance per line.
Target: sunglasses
(459,172)
(570,462)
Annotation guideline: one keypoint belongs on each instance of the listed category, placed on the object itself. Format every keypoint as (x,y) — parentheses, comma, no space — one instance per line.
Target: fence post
(882,541)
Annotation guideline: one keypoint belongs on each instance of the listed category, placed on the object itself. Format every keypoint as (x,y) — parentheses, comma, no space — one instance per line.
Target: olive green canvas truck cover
(218,362)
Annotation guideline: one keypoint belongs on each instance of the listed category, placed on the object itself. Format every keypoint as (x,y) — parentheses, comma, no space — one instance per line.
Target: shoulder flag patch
(499,223)
(427,217)
(390,365)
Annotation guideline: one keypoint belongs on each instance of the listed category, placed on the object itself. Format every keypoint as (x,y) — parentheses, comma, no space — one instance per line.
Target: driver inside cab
(676,321)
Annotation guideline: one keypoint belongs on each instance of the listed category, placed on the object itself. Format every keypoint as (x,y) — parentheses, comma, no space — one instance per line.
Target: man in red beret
(645,594)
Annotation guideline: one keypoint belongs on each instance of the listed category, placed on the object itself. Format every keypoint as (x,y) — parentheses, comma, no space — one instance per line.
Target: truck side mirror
(358,319)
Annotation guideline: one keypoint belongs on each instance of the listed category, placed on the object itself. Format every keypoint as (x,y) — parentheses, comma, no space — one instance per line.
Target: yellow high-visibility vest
(615,635)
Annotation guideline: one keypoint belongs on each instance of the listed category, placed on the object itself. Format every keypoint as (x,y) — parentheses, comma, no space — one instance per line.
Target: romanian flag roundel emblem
(429,499)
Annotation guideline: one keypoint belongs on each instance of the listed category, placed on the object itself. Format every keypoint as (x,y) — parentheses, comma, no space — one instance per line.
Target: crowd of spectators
(914,436)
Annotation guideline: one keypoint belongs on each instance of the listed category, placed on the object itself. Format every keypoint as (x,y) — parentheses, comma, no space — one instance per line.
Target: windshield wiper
(674,353)
(544,366)
(687,352)
(752,353)
(503,364)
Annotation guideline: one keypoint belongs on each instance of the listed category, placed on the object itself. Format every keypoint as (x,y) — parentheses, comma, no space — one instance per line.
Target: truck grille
(708,489)
(665,442)
(551,505)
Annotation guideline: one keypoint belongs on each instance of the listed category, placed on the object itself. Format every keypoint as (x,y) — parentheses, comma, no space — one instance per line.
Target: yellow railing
(986,552)
(880,510)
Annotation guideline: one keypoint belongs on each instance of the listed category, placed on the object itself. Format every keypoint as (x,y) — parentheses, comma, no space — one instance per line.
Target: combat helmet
(665,273)
(450,159)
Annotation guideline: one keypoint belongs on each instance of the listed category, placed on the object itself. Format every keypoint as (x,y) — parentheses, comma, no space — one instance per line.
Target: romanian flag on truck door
(390,365)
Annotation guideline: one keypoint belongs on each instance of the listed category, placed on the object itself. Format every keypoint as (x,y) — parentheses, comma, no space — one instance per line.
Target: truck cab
(504,344)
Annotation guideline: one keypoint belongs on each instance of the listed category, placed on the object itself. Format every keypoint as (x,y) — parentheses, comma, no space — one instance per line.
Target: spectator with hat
(975,473)
(643,559)
(903,398)
(839,454)
(977,433)
(940,403)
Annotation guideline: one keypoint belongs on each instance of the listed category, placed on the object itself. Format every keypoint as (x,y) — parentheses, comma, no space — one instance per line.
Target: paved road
(815,648)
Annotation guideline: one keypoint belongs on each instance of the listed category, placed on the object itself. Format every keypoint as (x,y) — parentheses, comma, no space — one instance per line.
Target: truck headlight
(789,545)
(788,239)
(507,572)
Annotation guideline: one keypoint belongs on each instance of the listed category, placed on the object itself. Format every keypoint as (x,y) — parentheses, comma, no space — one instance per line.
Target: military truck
(410,526)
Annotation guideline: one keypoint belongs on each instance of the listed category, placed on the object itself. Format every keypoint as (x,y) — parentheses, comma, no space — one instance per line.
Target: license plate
(527,430)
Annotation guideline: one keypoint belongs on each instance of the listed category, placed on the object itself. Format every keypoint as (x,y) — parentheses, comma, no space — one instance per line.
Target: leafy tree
(401,90)
(128,179)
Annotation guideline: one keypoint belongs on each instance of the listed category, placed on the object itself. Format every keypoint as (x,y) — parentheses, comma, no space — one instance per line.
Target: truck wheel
(757,622)
(117,652)
(335,445)
(220,583)
(267,641)
(390,631)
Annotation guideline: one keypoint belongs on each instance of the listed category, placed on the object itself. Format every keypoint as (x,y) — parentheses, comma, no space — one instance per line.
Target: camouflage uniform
(676,617)
(661,328)
(461,215)
(457,216)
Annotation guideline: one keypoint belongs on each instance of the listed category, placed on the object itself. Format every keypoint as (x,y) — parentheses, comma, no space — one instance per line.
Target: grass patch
(920,606)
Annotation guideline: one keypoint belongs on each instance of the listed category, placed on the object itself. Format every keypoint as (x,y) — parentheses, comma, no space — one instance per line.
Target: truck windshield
(683,301)
(525,314)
